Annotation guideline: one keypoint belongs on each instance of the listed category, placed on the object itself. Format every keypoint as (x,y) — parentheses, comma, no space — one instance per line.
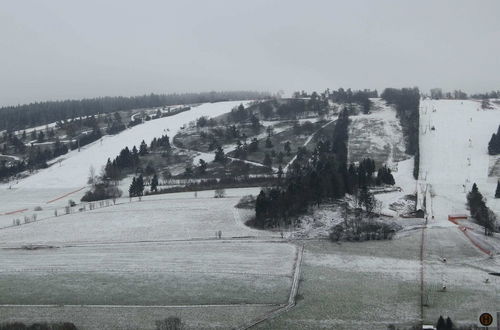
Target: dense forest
(41,113)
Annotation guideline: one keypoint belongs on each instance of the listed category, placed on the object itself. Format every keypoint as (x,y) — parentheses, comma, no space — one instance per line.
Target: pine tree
(449,324)
(143,148)
(497,192)
(140,185)
(441,324)
(154,183)
(132,190)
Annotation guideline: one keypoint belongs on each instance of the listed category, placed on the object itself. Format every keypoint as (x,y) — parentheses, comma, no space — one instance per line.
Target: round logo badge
(486,319)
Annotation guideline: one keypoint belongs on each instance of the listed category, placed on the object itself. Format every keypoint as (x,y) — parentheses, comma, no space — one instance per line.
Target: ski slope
(454,155)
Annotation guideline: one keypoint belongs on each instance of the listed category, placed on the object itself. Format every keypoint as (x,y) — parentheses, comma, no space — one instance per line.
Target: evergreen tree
(143,148)
(449,324)
(497,191)
(494,144)
(140,185)
(441,324)
(154,183)
(132,190)
(220,156)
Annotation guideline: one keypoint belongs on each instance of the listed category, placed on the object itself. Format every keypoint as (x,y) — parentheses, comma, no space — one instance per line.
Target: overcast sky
(58,49)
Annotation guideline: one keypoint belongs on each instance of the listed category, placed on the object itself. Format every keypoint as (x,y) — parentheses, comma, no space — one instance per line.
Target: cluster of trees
(130,159)
(289,108)
(102,189)
(479,211)
(72,126)
(317,177)
(41,113)
(407,102)
(114,124)
(494,144)
(17,144)
(310,180)
(437,94)
(487,95)
(361,97)
(443,324)
(86,138)
(9,171)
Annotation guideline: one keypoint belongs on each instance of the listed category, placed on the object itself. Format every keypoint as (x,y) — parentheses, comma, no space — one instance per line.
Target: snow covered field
(174,273)
(178,216)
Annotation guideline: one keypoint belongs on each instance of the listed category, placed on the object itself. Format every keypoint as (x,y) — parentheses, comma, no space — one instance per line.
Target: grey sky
(57,49)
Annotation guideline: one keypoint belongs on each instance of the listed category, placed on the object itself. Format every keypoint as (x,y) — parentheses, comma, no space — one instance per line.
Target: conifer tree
(132,190)
(154,183)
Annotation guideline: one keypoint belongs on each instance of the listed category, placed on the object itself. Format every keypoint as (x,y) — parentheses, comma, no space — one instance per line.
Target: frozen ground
(180,273)
(179,216)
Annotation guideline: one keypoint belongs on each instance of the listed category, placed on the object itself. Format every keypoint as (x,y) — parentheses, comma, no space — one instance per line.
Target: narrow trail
(292,301)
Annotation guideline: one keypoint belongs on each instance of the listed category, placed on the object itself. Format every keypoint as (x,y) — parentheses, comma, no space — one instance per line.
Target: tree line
(41,113)
(407,104)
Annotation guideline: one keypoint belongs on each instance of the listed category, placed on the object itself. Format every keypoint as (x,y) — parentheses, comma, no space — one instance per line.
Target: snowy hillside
(73,170)
(454,136)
